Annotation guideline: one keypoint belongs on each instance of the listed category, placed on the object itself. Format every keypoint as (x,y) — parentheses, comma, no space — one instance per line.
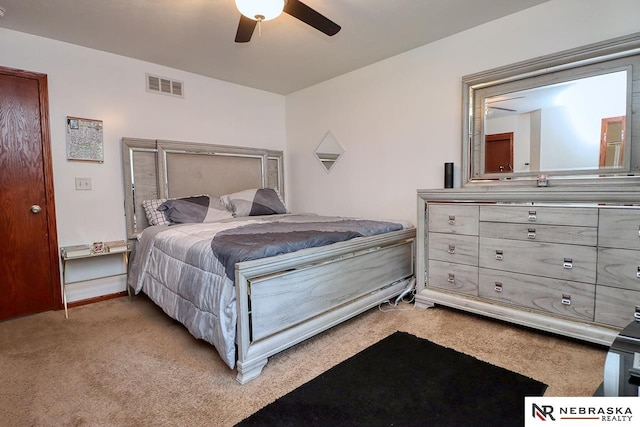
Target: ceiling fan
(502,109)
(511,110)
(253,12)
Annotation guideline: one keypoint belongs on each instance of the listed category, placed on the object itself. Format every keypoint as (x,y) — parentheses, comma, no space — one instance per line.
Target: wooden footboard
(286,299)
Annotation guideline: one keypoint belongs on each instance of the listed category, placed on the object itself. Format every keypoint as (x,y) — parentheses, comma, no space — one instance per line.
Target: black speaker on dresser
(448,175)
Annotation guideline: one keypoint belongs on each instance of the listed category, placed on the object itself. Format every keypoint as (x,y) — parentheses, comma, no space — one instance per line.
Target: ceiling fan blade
(245,29)
(301,11)
(503,109)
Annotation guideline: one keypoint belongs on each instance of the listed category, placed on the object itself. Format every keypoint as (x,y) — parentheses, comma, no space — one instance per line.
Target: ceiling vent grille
(165,86)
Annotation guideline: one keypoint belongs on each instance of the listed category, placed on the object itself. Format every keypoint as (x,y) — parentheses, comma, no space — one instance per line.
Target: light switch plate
(83,183)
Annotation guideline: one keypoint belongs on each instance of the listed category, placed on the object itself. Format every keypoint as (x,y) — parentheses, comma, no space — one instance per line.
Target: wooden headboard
(155,169)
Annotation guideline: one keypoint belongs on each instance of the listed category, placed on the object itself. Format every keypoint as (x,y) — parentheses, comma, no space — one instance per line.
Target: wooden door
(612,141)
(29,267)
(498,154)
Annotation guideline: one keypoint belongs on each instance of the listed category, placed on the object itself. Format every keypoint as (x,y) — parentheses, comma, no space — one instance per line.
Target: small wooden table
(65,257)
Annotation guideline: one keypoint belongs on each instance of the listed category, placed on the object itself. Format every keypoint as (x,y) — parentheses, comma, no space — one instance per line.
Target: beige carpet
(123,362)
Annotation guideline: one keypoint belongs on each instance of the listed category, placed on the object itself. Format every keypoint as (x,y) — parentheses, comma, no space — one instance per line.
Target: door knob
(36,209)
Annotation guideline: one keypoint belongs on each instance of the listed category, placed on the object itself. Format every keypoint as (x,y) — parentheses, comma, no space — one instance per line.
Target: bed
(250,304)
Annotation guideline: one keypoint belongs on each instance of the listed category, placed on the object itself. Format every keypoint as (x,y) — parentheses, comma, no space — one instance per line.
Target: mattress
(187,269)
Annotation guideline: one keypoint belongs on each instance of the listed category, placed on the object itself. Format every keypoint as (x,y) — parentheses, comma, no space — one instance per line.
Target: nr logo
(544,412)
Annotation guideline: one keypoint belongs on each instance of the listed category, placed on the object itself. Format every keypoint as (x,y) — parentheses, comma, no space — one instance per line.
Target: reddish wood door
(498,157)
(29,269)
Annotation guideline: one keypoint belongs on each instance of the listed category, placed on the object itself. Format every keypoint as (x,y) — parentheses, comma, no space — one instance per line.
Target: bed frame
(281,300)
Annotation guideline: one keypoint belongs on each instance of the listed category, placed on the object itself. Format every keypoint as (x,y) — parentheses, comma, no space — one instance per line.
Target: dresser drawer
(457,219)
(453,277)
(619,268)
(453,248)
(561,297)
(616,307)
(619,228)
(558,261)
(575,235)
(585,217)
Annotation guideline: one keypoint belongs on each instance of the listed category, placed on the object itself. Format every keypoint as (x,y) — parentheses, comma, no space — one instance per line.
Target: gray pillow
(194,209)
(257,201)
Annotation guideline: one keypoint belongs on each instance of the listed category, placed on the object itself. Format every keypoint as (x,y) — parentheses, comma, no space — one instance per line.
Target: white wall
(583,106)
(399,120)
(92,84)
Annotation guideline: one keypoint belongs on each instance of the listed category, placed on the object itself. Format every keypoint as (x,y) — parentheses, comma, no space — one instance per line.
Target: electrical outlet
(83,183)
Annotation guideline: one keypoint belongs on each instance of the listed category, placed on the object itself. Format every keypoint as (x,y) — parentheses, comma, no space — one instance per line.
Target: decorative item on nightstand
(116,246)
(75,251)
(97,247)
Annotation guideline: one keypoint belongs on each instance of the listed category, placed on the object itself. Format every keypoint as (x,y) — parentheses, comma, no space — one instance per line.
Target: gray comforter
(255,241)
(188,269)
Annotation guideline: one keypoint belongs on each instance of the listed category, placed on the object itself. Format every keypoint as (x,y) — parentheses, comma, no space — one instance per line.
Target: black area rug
(404,380)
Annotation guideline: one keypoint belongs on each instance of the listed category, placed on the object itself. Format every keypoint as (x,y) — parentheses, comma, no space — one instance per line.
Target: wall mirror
(329,151)
(566,115)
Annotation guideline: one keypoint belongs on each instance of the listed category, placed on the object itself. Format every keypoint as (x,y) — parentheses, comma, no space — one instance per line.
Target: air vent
(164,85)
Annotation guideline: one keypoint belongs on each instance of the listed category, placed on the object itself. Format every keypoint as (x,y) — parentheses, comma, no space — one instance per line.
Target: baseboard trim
(96,299)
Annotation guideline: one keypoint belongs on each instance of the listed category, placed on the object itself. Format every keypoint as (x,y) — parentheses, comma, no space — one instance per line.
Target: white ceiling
(198,35)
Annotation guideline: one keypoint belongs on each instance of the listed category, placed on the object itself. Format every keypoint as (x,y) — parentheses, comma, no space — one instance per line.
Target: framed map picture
(84,139)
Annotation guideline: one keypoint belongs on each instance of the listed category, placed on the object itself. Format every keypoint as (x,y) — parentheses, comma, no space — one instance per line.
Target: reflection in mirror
(533,130)
(564,115)
(329,151)
(612,144)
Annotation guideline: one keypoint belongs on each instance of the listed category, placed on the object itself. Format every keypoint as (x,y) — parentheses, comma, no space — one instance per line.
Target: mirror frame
(579,62)
(328,158)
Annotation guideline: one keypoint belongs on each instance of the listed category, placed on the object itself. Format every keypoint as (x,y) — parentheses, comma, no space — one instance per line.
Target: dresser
(566,261)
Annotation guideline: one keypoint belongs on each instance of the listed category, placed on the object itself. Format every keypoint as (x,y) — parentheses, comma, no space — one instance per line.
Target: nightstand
(72,253)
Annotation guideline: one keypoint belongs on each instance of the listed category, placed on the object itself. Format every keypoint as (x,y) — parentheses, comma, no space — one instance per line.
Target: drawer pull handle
(452,219)
(638,272)
(568,263)
(531,233)
(636,314)
(499,255)
(452,249)
(533,216)
(452,278)
(498,287)
(566,299)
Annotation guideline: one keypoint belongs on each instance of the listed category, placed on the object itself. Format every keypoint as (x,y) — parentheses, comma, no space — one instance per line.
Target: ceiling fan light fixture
(260,10)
